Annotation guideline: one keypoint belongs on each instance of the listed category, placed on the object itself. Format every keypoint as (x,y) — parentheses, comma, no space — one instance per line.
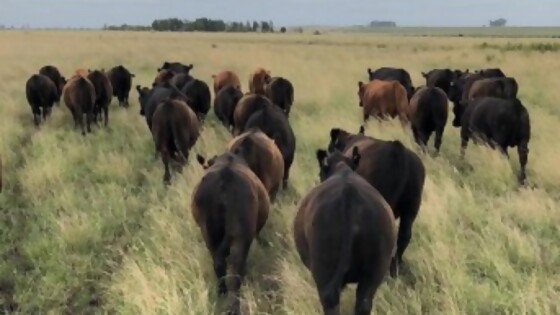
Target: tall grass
(87,226)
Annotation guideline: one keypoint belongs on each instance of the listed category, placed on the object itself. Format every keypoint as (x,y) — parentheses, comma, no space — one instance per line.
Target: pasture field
(510,31)
(87,227)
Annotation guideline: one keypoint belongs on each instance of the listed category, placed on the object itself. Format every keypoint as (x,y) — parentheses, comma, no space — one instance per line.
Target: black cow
(41,94)
(491,73)
(176,67)
(500,123)
(395,171)
(121,81)
(199,94)
(428,112)
(224,104)
(149,99)
(103,94)
(275,124)
(281,92)
(442,78)
(59,81)
(344,233)
(181,79)
(397,74)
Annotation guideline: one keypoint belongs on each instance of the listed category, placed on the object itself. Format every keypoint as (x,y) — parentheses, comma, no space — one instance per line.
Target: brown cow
(163,76)
(383,98)
(81,72)
(79,96)
(247,106)
(175,130)
(225,78)
(257,81)
(224,105)
(103,94)
(231,206)
(428,112)
(263,157)
(395,171)
(344,233)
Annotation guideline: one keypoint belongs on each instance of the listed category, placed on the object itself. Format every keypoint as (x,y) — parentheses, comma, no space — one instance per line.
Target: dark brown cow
(428,113)
(395,171)
(79,96)
(344,233)
(505,88)
(121,81)
(383,98)
(247,105)
(274,123)
(263,157)
(225,78)
(224,105)
(258,80)
(103,94)
(498,122)
(175,130)
(281,92)
(41,95)
(59,81)
(231,206)
(181,79)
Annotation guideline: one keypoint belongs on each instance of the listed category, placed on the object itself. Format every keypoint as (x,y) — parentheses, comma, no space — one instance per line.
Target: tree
(501,22)
(255,26)
(282,29)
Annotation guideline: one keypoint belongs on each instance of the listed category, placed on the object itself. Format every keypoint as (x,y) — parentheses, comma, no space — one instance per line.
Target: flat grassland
(87,227)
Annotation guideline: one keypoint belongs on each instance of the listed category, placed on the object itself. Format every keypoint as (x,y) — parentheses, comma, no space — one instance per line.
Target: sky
(96,13)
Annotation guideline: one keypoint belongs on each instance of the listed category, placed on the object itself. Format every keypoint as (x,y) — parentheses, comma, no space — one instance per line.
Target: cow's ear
(321,157)
(360,84)
(132,75)
(362,130)
(424,74)
(190,66)
(201,160)
(369,70)
(139,89)
(159,69)
(355,158)
(335,132)
(166,65)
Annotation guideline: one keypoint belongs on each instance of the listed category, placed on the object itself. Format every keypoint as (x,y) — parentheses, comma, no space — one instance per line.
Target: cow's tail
(216,221)
(178,131)
(346,218)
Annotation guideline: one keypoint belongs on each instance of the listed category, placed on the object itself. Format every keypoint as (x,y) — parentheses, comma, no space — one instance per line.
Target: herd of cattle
(344,230)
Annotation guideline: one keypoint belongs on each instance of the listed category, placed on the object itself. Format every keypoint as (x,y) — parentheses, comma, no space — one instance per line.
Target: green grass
(86,226)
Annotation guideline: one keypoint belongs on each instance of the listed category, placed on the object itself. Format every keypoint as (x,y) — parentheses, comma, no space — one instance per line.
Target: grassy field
(87,227)
(513,32)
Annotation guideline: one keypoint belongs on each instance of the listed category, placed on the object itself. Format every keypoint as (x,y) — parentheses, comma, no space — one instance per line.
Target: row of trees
(200,24)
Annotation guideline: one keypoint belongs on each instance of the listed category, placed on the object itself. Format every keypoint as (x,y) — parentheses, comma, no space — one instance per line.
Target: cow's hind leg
(409,208)
(367,286)
(167,174)
(439,138)
(238,257)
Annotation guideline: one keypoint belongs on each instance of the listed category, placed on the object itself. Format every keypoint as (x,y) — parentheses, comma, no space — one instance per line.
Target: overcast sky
(96,13)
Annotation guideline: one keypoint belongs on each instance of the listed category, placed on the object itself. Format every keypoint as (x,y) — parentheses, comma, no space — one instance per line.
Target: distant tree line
(498,23)
(382,24)
(200,24)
